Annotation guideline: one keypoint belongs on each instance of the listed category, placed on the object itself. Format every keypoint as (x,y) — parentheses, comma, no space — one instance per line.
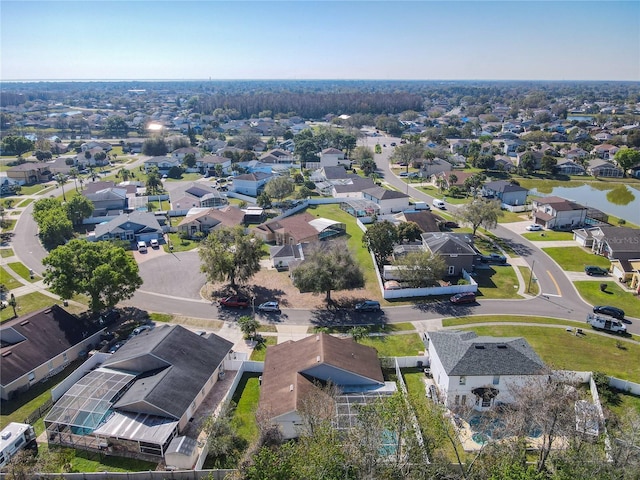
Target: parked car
(234,301)
(614,312)
(534,227)
(140,329)
(142,246)
(593,270)
(493,258)
(393,144)
(116,347)
(154,243)
(464,297)
(109,317)
(269,307)
(368,306)
(403,174)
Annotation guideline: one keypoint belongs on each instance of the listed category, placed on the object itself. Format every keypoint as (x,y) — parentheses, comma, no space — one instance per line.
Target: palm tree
(60,181)
(73,173)
(124,174)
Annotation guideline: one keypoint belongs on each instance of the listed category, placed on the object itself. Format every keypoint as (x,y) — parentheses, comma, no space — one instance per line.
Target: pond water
(619,200)
(580,118)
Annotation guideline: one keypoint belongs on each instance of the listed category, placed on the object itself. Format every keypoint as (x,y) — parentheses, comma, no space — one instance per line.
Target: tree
(16,145)
(358,333)
(248,325)
(408,232)
(407,153)
(155,147)
(528,162)
(54,227)
(307,151)
(73,173)
(304,192)
(481,212)
(42,156)
(189,160)
(103,271)
(263,200)
(420,269)
(225,445)
(124,174)
(368,166)
(380,238)
(78,208)
(279,187)
(362,153)
(548,163)
(175,172)
(228,254)
(115,126)
(60,181)
(154,183)
(329,266)
(453,179)
(627,158)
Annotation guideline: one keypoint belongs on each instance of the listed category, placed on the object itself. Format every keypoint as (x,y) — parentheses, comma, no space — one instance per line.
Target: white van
(439,204)
(142,246)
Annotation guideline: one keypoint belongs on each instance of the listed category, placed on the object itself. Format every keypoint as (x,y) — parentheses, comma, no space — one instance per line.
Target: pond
(620,200)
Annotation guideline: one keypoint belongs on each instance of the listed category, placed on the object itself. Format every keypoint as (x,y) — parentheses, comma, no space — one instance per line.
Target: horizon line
(303,80)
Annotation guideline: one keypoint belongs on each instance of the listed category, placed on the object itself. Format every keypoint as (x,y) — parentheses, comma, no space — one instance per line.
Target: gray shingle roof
(446,243)
(466,354)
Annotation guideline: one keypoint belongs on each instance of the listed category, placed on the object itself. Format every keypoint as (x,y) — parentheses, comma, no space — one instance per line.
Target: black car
(614,312)
(493,258)
(593,270)
(109,317)
(368,306)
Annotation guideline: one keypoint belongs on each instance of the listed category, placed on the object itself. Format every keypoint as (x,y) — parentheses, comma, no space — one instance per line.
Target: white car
(534,227)
(154,243)
(269,307)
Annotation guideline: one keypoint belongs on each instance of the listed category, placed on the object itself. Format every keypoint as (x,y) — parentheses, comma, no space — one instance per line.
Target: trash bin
(419,364)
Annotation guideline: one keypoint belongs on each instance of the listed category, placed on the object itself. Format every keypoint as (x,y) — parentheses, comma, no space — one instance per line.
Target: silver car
(269,307)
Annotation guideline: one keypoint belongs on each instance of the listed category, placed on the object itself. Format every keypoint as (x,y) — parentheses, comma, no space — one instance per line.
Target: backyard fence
(39,412)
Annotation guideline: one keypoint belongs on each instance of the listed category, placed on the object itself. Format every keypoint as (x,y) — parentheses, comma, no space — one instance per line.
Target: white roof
(321,223)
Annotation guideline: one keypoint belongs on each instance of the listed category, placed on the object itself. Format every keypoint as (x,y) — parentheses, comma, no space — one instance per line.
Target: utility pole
(533,264)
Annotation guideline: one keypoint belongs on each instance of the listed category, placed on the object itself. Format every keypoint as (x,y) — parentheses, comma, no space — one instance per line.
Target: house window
(496,379)
(32,376)
(452,269)
(464,399)
(457,400)
(463,381)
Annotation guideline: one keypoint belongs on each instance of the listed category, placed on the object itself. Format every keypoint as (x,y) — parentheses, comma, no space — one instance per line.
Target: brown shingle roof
(291,367)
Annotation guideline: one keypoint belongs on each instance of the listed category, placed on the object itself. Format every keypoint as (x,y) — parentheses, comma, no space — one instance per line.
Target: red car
(466,297)
(234,301)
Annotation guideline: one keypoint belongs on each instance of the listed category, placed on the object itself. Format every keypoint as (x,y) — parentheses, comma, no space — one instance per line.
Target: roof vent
(6,435)
(502,345)
(479,347)
(26,322)
(48,310)
(291,387)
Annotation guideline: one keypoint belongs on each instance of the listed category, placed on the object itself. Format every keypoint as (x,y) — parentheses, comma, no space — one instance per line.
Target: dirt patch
(270,284)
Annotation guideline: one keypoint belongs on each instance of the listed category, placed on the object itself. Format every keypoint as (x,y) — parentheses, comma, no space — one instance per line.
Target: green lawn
(185,177)
(82,461)
(548,236)
(395,345)
(161,317)
(574,259)
(532,287)
(562,350)
(9,225)
(6,252)
(246,399)
(499,281)
(258,353)
(627,402)
(179,245)
(354,241)
(267,328)
(31,189)
(8,280)
(23,271)
(457,321)
(28,303)
(510,217)
(614,295)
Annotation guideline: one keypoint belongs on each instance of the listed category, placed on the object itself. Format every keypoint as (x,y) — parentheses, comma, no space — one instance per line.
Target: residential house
(351,187)
(133,227)
(558,213)
(446,180)
(133,146)
(605,151)
(480,372)
(604,168)
(203,220)
(434,167)
(299,228)
(199,195)
(276,156)
(569,167)
(163,164)
(141,397)
(456,249)
(459,146)
(295,371)
(507,192)
(207,164)
(282,256)
(426,220)
(504,163)
(576,154)
(40,344)
(389,201)
(88,157)
(29,173)
(332,157)
(537,157)
(621,245)
(180,153)
(511,146)
(251,184)
(108,200)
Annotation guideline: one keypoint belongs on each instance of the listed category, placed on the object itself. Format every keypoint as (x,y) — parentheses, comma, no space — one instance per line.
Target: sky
(404,40)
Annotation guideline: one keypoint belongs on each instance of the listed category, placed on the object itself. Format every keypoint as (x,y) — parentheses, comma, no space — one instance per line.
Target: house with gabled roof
(277,155)
(604,151)
(389,201)
(294,371)
(40,344)
(456,249)
(558,213)
(604,168)
(207,164)
(332,157)
(203,220)
(251,184)
(197,195)
(163,164)
(567,166)
(29,173)
(112,199)
(621,245)
(299,228)
(141,397)
(351,187)
(132,227)
(506,192)
(480,372)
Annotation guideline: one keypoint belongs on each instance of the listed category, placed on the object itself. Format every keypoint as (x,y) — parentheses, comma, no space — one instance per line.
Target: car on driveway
(269,307)
(154,243)
(142,328)
(493,258)
(534,227)
(464,297)
(234,301)
(593,270)
(116,347)
(614,312)
(368,306)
